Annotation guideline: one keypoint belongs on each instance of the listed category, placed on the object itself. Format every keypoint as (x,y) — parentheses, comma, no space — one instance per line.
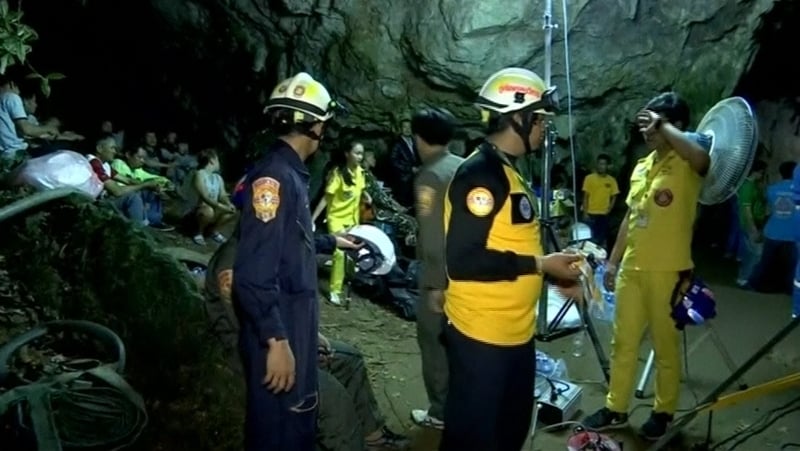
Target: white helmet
(513,89)
(304,95)
(377,255)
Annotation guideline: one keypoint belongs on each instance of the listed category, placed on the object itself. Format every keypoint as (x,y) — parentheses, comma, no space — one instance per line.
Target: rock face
(384,58)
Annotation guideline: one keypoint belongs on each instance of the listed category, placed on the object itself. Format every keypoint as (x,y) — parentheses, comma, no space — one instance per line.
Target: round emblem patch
(480,201)
(525,208)
(299,90)
(663,197)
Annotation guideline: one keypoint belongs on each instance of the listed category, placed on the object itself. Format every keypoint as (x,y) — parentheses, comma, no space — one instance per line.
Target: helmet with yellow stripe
(516,98)
(515,89)
(306,98)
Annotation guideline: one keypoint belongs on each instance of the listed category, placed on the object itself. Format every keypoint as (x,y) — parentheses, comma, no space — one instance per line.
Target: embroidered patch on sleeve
(225,282)
(266,198)
(425,195)
(663,197)
(480,201)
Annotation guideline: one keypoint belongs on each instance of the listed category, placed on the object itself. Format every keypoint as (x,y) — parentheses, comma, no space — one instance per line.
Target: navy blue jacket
(275,281)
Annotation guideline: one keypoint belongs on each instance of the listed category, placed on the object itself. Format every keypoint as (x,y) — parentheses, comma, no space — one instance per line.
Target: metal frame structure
(715,400)
(546,332)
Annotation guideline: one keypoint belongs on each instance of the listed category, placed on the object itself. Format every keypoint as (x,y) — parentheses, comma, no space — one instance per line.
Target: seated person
(349,418)
(51,142)
(14,123)
(127,198)
(153,160)
(205,202)
(185,163)
(129,172)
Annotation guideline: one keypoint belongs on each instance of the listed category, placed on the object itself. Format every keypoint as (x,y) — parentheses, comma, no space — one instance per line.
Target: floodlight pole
(547,162)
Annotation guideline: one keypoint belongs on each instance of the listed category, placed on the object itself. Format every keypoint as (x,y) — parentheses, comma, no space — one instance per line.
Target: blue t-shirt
(796,183)
(781,223)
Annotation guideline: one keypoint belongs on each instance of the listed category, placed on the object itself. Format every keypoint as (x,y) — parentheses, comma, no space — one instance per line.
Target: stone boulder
(385,58)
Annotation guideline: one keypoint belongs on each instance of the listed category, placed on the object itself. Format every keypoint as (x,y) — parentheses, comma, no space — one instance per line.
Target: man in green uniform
(495,265)
(432,129)
(349,417)
(752,216)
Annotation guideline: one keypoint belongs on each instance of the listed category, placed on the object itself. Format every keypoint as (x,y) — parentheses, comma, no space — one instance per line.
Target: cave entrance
(772,85)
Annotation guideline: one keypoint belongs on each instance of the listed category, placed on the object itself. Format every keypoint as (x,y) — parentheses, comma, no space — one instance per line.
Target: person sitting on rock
(206,204)
(349,417)
(185,163)
(128,198)
(129,172)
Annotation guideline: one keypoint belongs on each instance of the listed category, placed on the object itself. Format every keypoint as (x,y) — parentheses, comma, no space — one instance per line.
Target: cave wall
(779,132)
(219,59)
(386,58)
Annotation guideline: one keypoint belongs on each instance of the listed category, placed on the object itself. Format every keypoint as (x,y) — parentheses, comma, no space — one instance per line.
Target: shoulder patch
(480,201)
(266,198)
(225,282)
(425,195)
(663,197)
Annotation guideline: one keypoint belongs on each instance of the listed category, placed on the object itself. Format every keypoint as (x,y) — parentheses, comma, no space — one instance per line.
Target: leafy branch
(15,45)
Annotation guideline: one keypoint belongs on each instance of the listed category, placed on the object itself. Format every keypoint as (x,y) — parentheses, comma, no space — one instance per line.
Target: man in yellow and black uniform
(654,245)
(494,268)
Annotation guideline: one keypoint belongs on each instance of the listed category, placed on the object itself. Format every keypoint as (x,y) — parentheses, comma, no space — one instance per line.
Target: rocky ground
(746,321)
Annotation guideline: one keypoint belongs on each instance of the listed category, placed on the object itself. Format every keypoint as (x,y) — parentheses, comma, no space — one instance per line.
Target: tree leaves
(15,37)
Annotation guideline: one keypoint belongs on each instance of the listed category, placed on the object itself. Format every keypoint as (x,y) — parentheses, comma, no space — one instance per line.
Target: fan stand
(714,400)
(716,340)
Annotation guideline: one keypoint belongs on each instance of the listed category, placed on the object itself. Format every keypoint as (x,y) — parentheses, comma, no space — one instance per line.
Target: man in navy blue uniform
(276,276)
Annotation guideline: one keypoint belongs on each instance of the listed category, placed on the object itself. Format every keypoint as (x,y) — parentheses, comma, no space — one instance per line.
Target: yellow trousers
(642,300)
(337,265)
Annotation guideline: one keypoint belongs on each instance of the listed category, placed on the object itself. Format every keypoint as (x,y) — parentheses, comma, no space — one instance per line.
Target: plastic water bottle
(577,344)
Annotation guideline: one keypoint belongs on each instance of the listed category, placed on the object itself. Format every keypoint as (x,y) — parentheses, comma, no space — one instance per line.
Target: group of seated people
(146,176)
(146,181)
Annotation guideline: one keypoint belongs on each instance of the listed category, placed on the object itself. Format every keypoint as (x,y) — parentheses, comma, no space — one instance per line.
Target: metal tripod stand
(709,332)
(548,332)
(714,397)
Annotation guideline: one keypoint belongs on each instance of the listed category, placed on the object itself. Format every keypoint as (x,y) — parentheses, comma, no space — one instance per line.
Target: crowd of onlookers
(761,236)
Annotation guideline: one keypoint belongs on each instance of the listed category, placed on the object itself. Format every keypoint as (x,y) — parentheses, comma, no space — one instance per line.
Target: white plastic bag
(61,169)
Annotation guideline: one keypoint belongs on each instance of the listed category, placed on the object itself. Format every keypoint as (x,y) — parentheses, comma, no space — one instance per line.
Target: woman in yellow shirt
(344,191)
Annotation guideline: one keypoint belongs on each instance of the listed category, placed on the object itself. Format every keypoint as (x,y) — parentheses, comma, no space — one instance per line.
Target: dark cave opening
(123,63)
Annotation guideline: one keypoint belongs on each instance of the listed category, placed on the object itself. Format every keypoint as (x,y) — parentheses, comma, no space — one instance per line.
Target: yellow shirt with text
(600,189)
(662,206)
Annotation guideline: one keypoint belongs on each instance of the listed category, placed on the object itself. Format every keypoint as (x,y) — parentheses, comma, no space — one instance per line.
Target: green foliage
(85,261)
(16,39)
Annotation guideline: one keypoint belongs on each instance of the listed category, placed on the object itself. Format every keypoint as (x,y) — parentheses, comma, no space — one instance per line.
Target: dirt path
(746,321)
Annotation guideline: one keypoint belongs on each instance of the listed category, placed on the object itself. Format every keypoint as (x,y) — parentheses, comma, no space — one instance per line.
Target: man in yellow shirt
(599,195)
(654,247)
(495,263)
